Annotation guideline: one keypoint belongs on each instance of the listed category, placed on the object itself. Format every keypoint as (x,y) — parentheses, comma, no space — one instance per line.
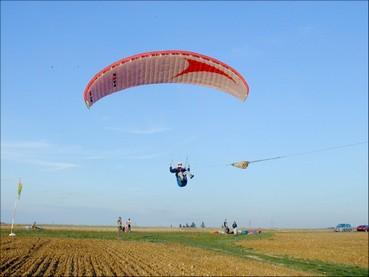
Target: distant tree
(187,225)
(193,225)
(180,225)
(202,224)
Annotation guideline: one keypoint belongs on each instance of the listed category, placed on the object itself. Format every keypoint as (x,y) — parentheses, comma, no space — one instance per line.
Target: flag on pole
(20,187)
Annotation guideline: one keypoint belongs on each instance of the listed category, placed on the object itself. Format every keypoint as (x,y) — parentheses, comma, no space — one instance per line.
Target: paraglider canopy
(170,66)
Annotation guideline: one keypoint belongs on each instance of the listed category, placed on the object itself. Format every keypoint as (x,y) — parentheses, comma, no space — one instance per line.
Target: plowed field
(92,257)
(349,248)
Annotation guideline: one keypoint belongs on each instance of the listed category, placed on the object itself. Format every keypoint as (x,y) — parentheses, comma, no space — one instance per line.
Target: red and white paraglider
(170,66)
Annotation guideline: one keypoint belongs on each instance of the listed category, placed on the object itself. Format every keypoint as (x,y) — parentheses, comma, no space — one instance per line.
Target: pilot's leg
(189,174)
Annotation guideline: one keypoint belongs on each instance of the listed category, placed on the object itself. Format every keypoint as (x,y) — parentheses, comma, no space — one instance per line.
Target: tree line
(192,225)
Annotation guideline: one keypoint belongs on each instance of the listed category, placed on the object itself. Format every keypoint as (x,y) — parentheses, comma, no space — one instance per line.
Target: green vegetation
(224,244)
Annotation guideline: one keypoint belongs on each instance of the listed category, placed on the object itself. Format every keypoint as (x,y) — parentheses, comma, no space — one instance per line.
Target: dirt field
(343,248)
(78,257)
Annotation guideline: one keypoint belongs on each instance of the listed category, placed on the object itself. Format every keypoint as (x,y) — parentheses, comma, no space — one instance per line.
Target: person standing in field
(119,225)
(129,225)
(234,226)
(225,226)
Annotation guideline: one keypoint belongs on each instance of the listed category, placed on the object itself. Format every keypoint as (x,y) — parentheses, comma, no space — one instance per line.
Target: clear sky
(307,67)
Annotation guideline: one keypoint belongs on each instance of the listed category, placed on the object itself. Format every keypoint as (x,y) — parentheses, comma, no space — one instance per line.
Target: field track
(93,257)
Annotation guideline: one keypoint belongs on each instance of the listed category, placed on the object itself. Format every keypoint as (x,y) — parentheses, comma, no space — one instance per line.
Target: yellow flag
(242,164)
(20,187)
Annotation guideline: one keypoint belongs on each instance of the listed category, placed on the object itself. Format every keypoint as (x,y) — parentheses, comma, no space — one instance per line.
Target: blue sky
(307,67)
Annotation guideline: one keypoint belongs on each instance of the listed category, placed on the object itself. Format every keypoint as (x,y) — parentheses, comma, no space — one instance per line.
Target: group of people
(124,228)
(227,229)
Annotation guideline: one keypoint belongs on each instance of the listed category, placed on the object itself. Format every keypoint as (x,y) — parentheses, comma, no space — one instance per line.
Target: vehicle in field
(362,228)
(343,228)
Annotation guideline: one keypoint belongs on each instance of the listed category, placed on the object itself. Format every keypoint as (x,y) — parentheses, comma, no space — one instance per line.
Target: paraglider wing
(171,66)
(242,164)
